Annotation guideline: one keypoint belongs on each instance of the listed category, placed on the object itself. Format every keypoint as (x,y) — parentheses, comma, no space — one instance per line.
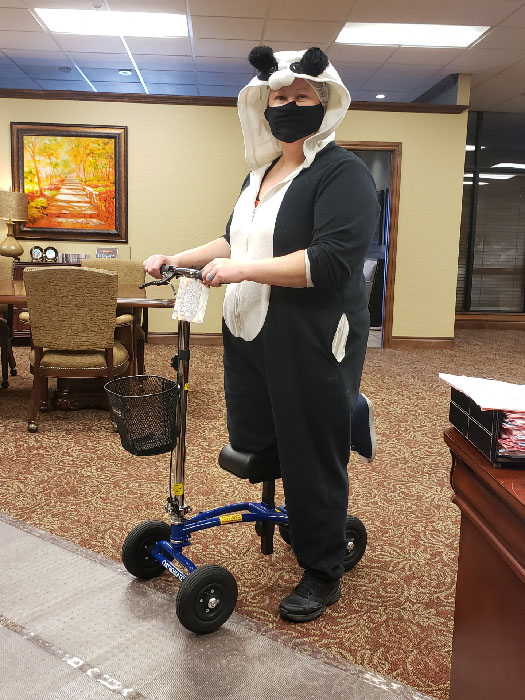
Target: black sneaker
(363,432)
(310,598)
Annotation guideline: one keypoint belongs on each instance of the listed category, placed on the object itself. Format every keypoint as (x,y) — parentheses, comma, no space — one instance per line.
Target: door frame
(395,149)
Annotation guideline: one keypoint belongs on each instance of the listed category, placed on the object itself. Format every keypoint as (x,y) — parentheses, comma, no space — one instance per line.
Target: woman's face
(299,91)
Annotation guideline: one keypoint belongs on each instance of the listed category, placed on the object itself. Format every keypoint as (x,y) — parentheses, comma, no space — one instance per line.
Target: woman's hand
(222,271)
(153,264)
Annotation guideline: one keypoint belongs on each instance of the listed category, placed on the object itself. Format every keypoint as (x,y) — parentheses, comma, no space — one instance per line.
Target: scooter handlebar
(180,272)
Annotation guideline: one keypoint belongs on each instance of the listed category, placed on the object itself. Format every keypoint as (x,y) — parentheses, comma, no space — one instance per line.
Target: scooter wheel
(136,549)
(356,539)
(206,599)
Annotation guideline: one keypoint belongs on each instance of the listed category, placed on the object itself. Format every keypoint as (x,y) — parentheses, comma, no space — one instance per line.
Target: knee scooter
(150,413)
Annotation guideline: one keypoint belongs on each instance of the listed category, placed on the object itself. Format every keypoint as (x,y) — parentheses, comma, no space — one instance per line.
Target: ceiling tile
(232,48)
(96,44)
(9,70)
(4,58)
(353,83)
(101,60)
(135,88)
(13,3)
(226,28)
(63,4)
(177,7)
(295,45)
(481,59)
(291,31)
(480,13)
(18,20)
(171,89)
(169,77)
(171,46)
(229,8)
(398,11)
(38,41)
(516,104)
(223,65)
(360,54)
(219,91)
(426,57)
(237,79)
(18,84)
(515,20)
(146,61)
(359,70)
(52,73)
(502,38)
(77,85)
(109,75)
(43,58)
(328,10)
(397,79)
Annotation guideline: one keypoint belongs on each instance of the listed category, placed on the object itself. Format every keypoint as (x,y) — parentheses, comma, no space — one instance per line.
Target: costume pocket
(340,337)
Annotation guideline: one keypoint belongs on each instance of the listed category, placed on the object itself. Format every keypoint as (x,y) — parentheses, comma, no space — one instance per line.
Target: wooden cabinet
(489,620)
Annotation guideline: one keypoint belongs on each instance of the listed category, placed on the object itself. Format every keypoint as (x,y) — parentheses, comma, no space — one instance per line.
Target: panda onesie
(293,357)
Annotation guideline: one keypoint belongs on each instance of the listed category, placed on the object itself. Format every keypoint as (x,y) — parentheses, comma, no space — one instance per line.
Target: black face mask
(290,122)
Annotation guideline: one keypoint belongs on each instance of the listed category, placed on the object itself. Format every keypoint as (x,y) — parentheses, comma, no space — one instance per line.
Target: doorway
(384,162)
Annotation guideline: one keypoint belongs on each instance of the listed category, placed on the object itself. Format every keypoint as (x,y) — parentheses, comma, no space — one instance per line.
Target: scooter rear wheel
(206,599)
(136,549)
(356,539)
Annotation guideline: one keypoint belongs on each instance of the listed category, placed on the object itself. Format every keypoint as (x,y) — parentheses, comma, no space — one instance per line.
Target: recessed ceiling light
(125,72)
(380,97)
(103,23)
(430,35)
(65,69)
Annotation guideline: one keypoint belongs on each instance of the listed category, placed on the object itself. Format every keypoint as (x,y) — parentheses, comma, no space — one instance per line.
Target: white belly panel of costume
(251,238)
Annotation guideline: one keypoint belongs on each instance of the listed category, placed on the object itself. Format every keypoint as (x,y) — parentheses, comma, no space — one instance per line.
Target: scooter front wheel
(206,599)
(136,549)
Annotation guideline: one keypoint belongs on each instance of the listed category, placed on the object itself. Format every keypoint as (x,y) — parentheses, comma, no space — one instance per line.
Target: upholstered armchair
(130,272)
(6,332)
(72,311)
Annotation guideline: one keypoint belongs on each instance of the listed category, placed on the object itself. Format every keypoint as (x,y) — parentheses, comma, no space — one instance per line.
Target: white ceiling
(212,60)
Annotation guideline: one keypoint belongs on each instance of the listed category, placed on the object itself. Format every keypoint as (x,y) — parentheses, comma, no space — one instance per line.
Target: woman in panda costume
(296,319)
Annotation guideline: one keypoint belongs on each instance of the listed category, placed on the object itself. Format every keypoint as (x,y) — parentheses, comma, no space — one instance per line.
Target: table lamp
(13,207)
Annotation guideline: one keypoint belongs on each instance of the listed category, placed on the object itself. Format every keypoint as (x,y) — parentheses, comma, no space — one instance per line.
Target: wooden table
(87,393)
(488,648)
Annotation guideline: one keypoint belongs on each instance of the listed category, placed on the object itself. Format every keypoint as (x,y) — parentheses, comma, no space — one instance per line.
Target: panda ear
(262,58)
(313,62)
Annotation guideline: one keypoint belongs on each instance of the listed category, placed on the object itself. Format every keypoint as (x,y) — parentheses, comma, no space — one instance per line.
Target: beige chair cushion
(81,359)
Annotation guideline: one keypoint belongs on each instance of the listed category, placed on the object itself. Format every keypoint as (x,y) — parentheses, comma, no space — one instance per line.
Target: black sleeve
(345,218)
(227,234)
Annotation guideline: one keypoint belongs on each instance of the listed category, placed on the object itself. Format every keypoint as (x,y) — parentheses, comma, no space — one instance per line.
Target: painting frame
(106,220)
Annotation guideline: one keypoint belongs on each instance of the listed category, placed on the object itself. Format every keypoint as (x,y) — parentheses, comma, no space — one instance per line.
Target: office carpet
(73,479)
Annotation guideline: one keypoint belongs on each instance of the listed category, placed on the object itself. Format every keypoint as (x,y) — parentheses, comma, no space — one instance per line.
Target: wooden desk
(488,648)
(87,393)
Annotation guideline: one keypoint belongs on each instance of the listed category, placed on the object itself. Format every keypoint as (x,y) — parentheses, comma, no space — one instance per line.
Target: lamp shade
(13,206)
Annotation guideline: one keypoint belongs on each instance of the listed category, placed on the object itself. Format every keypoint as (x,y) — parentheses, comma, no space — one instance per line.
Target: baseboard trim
(196,338)
(406,343)
(477,321)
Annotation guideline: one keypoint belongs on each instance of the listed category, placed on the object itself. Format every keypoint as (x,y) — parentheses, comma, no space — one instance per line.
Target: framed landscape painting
(75,180)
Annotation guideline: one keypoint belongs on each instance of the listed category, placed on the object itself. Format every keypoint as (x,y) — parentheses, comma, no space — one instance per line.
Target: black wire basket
(145,412)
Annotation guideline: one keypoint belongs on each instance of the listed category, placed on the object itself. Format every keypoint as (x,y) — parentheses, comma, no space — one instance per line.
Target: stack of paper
(511,441)
(492,395)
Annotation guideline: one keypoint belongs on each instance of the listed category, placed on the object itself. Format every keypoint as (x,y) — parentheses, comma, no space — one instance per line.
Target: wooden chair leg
(36,397)
(11,358)
(4,354)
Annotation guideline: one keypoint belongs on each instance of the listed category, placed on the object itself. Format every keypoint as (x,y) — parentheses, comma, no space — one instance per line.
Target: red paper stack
(511,441)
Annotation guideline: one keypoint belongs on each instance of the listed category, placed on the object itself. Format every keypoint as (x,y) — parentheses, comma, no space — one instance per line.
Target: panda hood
(277,70)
